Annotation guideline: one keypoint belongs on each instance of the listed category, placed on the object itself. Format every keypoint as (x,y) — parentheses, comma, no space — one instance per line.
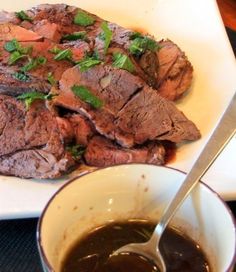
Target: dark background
(18,248)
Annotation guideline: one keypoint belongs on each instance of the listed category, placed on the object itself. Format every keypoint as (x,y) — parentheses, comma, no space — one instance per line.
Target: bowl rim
(44,260)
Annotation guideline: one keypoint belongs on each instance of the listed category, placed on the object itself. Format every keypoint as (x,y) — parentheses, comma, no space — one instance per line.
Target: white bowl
(134,191)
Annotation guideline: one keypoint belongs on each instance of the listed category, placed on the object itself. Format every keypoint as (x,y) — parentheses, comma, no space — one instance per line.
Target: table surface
(18,248)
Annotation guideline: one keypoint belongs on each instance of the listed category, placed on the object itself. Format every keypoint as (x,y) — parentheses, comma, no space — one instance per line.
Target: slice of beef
(148,116)
(30,138)
(175,71)
(132,113)
(9,85)
(103,152)
(37,77)
(83,129)
(10,31)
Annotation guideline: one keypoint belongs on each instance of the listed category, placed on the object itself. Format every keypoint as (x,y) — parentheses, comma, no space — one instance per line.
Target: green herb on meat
(65,54)
(106,35)
(141,43)
(55,50)
(17,51)
(81,35)
(33,63)
(123,61)
(21,76)
(30,97)
(12,45)
(15,56)
(23,16)
(87,96)
(51,79)
(86,63)
(135,35)
(76,151)
(83,19)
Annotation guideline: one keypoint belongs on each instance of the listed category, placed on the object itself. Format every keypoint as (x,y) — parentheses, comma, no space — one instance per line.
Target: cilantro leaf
(65,54)
(123,61)
(106,35)
(15,56)
(30,97)
(82,18)
(21,76)
(87,63)
(33,63)
(76,151)
(55,50)
(23,16)
(81,35)
(12,45)
(87,96)
(141,43)
(51,79)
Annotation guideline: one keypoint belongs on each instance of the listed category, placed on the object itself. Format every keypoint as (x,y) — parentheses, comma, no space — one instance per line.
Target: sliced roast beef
(175,71)
(103,152)
(10,31)
(132,113)
(83,128)
(27,134)
(9,85)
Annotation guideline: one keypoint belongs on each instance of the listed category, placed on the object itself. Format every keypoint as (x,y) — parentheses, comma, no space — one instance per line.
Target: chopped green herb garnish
(15,56)
(30,97)
(106,35)
(23,16)
(87,63)
(123,61)
(140,44)
(87,96)
(64,55)
(81,35)
(135,35)
(83,19)
(21,76)
(76,151)
(33,63)
(51,79)
(55,50)
(12,45)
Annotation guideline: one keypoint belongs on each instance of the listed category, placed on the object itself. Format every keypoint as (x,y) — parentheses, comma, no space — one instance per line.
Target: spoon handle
(220,137)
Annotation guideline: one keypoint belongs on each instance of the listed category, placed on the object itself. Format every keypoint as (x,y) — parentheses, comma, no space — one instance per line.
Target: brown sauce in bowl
(91,253)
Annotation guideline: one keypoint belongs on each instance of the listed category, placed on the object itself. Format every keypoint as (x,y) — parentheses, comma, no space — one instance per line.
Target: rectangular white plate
(197,28)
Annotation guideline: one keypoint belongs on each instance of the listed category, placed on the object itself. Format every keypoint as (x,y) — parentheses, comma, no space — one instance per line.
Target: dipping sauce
(91,253)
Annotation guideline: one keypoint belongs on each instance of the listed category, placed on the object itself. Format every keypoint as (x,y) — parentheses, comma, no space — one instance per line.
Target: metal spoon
(221,136)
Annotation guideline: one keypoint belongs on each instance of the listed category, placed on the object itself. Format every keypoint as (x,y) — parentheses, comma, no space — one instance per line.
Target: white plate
(197,28)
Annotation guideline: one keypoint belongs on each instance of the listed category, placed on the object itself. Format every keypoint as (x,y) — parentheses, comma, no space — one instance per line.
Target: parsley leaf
(55,50)
(87,63)
(106,35)
(65,54)
(87,96)
(51,79)
(12,45)
(15,56)
(30,97)
(123,61)
(21,76)
(76,151)
(81,35)
(141,43)
(23,16)
(82,18)
(33,63)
